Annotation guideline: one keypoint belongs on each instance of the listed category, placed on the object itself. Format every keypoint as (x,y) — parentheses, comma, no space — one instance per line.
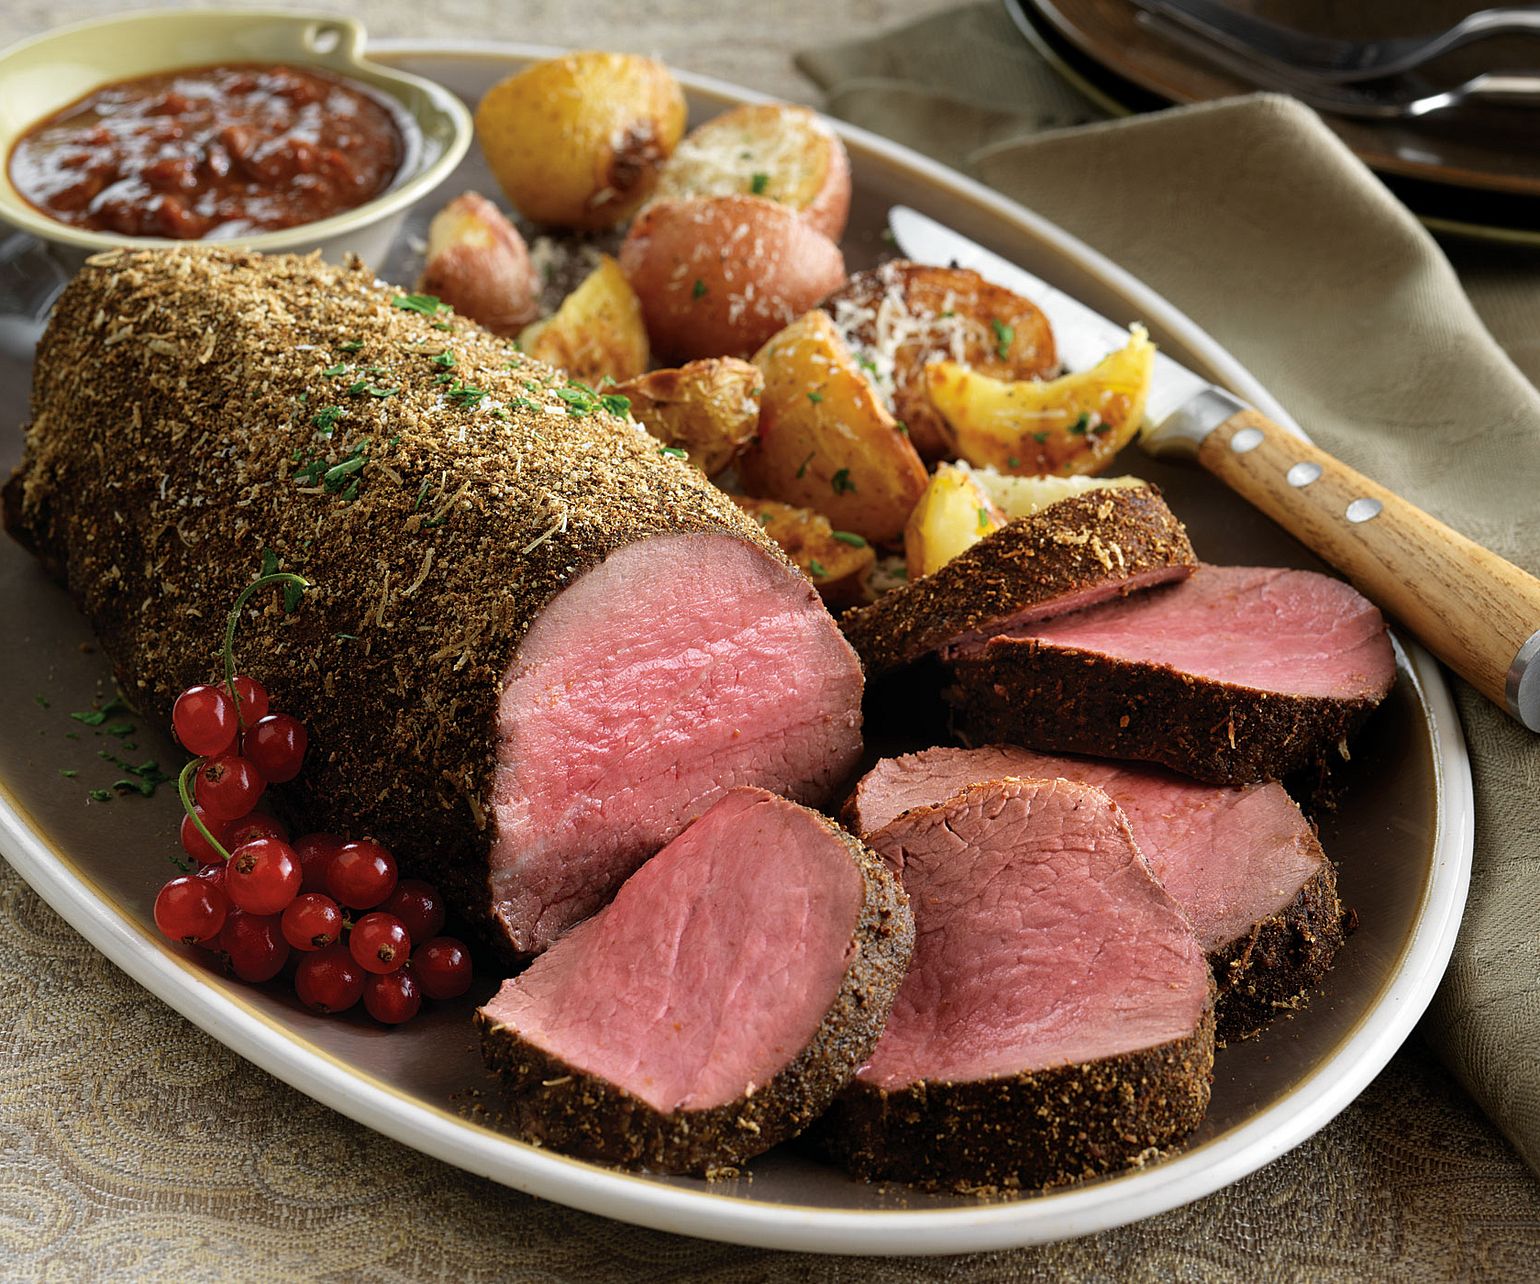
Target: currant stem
(187,804)
(262,581)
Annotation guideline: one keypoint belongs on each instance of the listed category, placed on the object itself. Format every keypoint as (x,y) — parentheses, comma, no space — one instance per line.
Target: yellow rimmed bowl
(42,75)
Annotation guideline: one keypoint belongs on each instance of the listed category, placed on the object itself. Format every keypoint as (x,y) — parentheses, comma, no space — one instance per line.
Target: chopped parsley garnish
(902,426)
(942,316)
(867,364)
(849,537)
(579,398)
(983,514)
(326,418)
(758,183)
(42,700)
(442,325)
(1004,334)
(1013,462)
(99,795)
(445,360)
(336,476)
(841,482)
(815,397)
(331,372)
(1081,424)
(616,404)
(310,474)
(1040,437)
(817,568)
(464,394)
(347,637)
(673,452)
(69,773)
(698,290)
(443,377)
(363,387)
(350,345)
(802,467)
(92,717)
(427,304)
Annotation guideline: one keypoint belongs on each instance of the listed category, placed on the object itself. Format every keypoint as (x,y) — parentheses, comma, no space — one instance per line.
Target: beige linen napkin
(1250,216)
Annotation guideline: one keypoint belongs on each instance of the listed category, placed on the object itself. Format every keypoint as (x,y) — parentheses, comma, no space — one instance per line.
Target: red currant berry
(419,906)
(257,825)
(312,922)
(315,858)
(255,945)
(393,998)
(443,968)
(215,875)
(277,745)
(228,787)
(361,874)
(253,700)
(329,980)
(380,942)
(263,877)
(203,718)
(190,910)
(197,846)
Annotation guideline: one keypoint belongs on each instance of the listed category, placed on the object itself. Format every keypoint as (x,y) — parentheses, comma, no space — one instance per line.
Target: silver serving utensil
(1477,612)
(1518,88)
(1331,58)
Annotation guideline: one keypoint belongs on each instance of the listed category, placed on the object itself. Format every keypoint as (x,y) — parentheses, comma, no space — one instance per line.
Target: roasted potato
(597,333)
(1074,424)
(826,441)
(578,141)
(785,154)
(478,264)
(953,514)
(1023,496)
(836,561)
(709,409)
(901,316)
(718,277)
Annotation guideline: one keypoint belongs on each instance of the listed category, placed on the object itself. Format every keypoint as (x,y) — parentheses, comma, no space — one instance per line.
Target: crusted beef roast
(533,643)
(717,1004)
(1234,675)
(1078,551)
(1057,1021)
(1242,862)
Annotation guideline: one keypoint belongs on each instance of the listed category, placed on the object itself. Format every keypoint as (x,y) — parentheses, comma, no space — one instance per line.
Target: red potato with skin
(479,264)
(719,277)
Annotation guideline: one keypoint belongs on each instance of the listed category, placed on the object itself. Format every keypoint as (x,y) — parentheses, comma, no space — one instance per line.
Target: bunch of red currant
(256,896)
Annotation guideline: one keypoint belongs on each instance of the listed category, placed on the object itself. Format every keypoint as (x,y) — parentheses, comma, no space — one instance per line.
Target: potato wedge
(578,141)
(785,154)
(718,277)
(826,441)
(709,409)
(478,264)
(901,316)
(1074,424)
(597,333)
(953,514)
(836,561)
(1023,496)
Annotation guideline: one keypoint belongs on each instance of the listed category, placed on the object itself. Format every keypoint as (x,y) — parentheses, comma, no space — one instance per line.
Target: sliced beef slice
(1234,675)
(717,1004)
(1057,1021)
(533,646)
(1081,550)
(1242,862)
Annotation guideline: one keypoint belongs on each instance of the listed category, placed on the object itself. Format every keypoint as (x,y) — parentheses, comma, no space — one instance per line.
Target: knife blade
(1477,612)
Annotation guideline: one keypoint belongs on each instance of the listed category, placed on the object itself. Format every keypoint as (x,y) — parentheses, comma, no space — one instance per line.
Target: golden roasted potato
(578,141)
(899,317)
(953,514)
(718,277)
(597,332)
(478,264)
(826,441)
(709,409)
(1073,424)
(836,561)
(785,154)
(1023,496)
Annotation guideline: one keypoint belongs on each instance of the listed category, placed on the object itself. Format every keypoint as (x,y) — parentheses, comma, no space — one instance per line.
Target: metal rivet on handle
(1303,473)
(1363,510)
(1246,439)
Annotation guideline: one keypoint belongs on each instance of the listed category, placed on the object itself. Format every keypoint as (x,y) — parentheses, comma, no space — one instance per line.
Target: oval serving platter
(1401,833)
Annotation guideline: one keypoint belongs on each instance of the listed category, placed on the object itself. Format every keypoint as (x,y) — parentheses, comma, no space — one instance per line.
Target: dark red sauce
(210,152)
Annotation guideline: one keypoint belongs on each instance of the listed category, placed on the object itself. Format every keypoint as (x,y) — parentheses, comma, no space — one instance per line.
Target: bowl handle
(336,40)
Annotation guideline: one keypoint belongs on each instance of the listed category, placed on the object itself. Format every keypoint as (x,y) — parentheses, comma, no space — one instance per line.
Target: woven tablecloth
(133,1146)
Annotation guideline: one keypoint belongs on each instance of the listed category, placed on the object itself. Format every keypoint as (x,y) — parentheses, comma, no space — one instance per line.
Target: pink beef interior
(1041,939)
(713,966)
(1230,857)
(1260,627)
(678,668)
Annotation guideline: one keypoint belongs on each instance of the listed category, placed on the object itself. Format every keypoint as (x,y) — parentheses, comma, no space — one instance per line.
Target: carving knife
(1477,612)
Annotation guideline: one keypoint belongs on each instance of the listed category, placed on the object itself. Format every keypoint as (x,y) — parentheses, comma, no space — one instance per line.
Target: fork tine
(1255,37)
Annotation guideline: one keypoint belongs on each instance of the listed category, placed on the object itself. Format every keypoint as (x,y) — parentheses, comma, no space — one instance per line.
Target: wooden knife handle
(1477,612)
